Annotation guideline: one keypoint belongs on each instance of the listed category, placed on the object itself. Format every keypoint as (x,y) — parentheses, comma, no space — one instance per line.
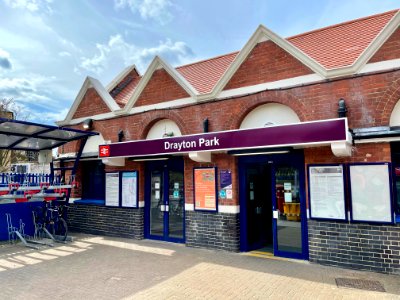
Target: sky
(48,47)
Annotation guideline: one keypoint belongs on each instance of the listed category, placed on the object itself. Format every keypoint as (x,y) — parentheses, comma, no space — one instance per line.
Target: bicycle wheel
(60,229)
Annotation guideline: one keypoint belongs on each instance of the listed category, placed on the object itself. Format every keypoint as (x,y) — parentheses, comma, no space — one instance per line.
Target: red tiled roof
(333,47)
(123,91)
(205,74)
(340,45)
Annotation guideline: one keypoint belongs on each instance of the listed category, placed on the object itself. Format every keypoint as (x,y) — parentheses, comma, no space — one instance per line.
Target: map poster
(370,193)
(112,189)
(205,193)
(129,189)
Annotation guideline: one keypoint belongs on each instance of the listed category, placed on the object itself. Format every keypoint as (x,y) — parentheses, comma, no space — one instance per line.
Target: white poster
(370,193)
(129,189)
(112,189)
(327,197)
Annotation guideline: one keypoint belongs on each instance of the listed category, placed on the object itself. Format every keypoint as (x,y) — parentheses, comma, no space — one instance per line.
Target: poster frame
(389,168)
(344,173)
(137,188)
(119,189)
(215,169)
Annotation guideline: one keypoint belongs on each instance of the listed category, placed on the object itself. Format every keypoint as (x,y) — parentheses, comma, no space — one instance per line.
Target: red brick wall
(161,87)
(389,50)
(91,105)
(266,62)
(370,100)
(377,152)
(222,162)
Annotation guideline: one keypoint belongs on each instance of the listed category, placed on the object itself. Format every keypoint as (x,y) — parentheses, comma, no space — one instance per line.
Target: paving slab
(96,267)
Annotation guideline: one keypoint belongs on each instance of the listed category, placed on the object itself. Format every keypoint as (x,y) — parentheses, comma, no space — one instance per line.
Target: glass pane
(62,134)
(176,204)
(156,204)
(20,128)
(289,217)
(37,144)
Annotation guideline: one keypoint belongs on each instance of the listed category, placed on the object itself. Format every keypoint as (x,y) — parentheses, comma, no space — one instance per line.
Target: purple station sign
(317,132)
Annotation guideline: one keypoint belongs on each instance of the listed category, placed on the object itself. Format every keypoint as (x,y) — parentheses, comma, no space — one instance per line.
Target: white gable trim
(156,64)
(104,95)
(120,76)
(377,43)
(263,34)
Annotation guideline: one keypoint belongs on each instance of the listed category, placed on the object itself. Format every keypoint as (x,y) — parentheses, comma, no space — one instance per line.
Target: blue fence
(27,179)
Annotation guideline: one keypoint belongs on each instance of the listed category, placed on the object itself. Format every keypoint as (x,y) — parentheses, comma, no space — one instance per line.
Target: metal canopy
(21,135)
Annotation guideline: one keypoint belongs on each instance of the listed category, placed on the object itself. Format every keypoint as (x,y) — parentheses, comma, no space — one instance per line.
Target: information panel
(205,193)
(370,193)
(327,194)
(112,189)
(129,189)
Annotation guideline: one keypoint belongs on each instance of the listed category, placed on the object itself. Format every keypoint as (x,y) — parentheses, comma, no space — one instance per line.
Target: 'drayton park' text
(201,142)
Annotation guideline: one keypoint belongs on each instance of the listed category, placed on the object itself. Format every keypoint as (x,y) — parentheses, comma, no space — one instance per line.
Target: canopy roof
(21,135)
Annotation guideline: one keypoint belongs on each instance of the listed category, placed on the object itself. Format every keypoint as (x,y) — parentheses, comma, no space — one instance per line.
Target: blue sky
(48,47)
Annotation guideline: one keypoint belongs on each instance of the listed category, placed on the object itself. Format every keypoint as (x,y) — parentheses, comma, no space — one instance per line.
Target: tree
(9,109)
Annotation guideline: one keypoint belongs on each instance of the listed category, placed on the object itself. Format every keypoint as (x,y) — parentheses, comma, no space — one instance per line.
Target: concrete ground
(95,267)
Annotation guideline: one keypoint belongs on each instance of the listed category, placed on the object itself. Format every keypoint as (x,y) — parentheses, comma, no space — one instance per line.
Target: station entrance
(272,205)
(165,203)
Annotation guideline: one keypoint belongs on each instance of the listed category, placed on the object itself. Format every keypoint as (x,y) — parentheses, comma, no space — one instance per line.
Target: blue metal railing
(30,179)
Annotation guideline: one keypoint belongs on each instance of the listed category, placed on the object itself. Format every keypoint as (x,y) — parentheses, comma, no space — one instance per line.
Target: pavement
(96,267)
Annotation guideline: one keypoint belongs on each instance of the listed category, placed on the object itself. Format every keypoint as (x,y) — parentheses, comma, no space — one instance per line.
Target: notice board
(129,189)
(205,189)
(112,189)
(326,192)
(370,193)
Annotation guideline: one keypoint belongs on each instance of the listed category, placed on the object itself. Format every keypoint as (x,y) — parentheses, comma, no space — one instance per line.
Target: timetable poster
(112,189)
(327,195)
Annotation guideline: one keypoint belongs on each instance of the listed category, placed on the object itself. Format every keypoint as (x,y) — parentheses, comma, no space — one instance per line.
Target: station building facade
(289,146)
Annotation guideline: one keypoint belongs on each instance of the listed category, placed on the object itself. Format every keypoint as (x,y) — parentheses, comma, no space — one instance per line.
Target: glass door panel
(288,235)
(157,206)
(176,205)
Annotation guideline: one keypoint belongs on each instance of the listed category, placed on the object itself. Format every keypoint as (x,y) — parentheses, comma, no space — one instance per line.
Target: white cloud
(148,9)
(5,62)
(64,54)
(30,5)
(32,88)
(118,49)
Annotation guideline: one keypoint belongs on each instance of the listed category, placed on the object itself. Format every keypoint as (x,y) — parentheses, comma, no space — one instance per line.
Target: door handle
(166,207)
(275,214)
(162,207)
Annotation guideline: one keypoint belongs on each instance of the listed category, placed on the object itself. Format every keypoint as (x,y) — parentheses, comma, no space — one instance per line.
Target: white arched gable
(395,116)
(268,115)
(92,144)
(163,128)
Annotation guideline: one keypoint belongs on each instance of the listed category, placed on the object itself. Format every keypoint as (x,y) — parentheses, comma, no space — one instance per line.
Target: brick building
(288,146)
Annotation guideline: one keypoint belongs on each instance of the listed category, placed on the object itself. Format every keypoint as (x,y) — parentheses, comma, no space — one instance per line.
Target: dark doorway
(259,207)
(93,180)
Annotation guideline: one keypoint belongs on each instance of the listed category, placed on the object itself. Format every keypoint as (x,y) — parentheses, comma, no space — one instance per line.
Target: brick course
(91,105)
(358,246)
(389,50)
(212,230)
(161,87)
(266,62)
(109,221)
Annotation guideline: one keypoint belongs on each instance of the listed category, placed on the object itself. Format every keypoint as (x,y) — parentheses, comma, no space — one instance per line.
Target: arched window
(269,115)
(163,128)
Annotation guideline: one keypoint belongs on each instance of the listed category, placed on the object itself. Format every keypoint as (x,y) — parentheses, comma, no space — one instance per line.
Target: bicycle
(49,222)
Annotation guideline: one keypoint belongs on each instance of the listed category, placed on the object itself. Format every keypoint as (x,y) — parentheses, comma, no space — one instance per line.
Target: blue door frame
(164,167)
(294,159)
